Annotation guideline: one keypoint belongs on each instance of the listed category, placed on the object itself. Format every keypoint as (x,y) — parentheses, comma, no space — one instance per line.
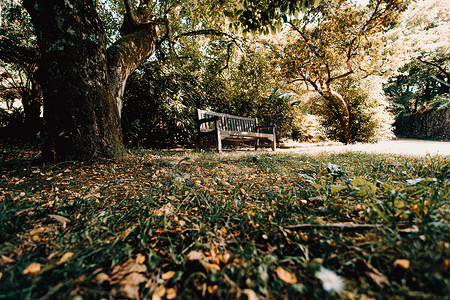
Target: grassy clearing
(167,225)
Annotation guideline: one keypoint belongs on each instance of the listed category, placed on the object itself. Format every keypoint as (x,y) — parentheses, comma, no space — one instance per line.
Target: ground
(325,224)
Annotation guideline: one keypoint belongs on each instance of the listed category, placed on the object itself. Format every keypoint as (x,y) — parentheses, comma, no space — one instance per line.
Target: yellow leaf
(286,276)
(65,257)
(242,191)
(140,258)
(212,267)
(224,258)
(171,294)
(402,263)
(168,275)
(159,291)
(251,295)
(37,231)
(33,269)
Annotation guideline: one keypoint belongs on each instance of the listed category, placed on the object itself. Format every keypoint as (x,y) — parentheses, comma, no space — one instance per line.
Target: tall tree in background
(334,40)
(421,42)
(18,61)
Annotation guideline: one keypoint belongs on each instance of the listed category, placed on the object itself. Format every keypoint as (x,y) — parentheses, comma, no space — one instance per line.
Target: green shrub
(370,120)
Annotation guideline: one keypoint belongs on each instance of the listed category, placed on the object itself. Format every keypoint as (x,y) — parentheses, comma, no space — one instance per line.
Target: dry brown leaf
(286,276)
(251,295)
(61,219)
(168,275)
(377,277)
(195,255)
(402,263)
(101,277)
(65,257)
(7,260)
(33,269)
(171,294)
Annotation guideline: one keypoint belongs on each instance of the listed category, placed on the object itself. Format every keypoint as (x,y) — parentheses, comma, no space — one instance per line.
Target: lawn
(246,225)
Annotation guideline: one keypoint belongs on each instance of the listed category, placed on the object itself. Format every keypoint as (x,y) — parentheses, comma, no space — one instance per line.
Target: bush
(370,120)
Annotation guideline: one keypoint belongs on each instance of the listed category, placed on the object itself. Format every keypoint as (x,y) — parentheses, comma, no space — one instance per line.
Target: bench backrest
(227,122)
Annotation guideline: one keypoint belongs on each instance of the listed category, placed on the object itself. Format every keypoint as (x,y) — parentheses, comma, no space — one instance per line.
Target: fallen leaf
(140,258)
(171,293)
(7,260)
(377,277)
(224,257)
(65,257)
(61,219)
(402,263)
(101,277)
(212,288)
(168,275)
(286,276)
(33,269)
(37,231)
(251,295)
(159,292)
(212,267)
(195,255)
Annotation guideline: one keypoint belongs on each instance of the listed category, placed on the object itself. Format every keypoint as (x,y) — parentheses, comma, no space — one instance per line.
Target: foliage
(225,76)
(332,41)
(370,120)
(18,59)
(199,225)
(419,82)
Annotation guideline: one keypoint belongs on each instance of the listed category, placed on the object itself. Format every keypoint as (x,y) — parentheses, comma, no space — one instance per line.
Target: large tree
(83,79)
(334,40)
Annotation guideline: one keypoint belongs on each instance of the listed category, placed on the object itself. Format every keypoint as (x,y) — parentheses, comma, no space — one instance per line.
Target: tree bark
(344,114)
(83,82)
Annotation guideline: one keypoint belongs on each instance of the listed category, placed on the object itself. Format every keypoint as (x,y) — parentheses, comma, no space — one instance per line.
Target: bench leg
(219,142)
(256,144)
(274,144)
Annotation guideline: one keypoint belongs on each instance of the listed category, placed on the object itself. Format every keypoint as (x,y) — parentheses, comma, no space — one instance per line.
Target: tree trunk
(344,114)
(31,101)
(82,82)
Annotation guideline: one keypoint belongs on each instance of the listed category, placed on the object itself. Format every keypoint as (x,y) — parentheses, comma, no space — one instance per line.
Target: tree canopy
(332,41)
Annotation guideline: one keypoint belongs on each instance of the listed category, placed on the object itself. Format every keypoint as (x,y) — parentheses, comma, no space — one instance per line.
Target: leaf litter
(163,225)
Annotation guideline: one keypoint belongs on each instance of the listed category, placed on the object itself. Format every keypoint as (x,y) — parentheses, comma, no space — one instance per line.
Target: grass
(165,225)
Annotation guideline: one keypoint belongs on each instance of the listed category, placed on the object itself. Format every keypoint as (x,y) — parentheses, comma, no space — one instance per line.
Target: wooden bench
(223,127)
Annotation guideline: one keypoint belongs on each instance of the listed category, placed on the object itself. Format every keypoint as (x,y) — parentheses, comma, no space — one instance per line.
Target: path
(410,147)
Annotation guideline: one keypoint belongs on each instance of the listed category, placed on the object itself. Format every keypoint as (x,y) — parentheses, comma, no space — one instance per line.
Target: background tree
(18,64)
(420,83)
(369,117)
(419,91)
(334,40)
